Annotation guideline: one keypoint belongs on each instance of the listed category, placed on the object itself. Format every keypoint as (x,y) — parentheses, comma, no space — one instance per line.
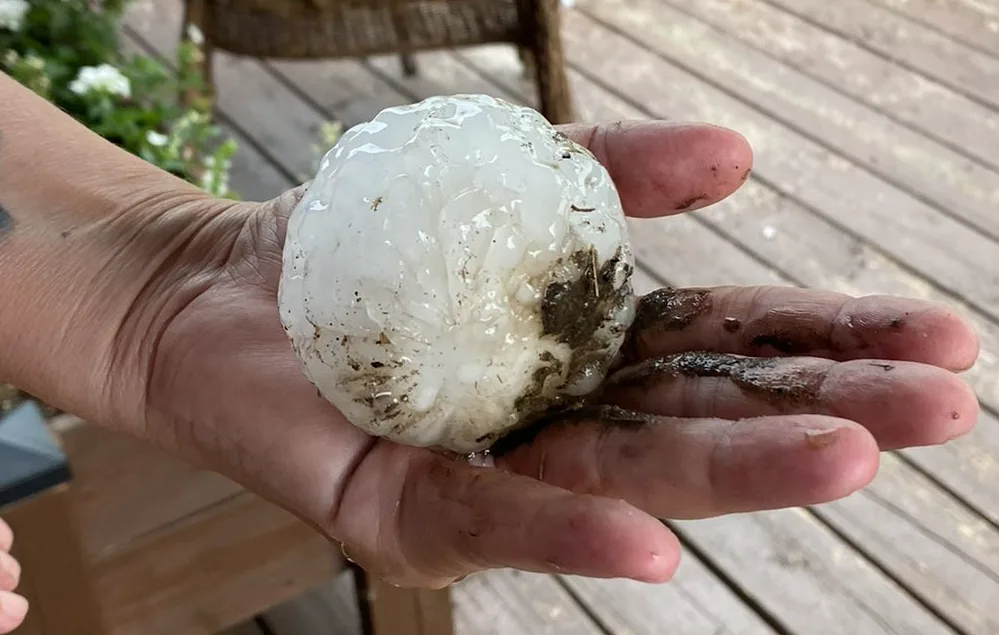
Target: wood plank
(252,177)
(624,606)
(330,609)
(809,581)
(937,246)
(933,109)
(345,89)
(969,466)
(498,602)
(508,602)
(390,610)
(949,560)
(127,488)
(246,628)
(951,183)
(967,70)
(56,579)
(814,252)
(967,21)
(213,570)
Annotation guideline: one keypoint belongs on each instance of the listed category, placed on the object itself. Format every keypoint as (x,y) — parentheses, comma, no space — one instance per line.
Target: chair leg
(543,22)
(195,16)
(409,68)
(389,610)
(526,55)
(55,577)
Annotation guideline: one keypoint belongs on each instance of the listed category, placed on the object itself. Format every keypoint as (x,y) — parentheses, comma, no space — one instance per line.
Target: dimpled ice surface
(456,269)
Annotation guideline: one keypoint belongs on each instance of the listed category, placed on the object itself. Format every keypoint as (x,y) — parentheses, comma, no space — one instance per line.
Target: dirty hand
(12,607)
(143,304)
(787,402)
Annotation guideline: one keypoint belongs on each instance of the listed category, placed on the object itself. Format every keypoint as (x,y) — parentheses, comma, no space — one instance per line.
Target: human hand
(827,382)
(13,607)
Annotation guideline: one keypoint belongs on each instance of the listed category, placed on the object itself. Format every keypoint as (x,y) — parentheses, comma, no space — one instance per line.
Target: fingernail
(821,439)
(12,606)
(659,571)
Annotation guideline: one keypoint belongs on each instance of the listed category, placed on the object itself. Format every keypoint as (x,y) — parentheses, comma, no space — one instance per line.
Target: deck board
(247,628)
(906,43)
(909,544)
(970,22)
(952,183)
(911,98)
(806,578)
(925,240)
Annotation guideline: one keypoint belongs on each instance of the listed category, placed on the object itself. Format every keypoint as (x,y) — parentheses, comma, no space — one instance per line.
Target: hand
(13,607)
(788,403)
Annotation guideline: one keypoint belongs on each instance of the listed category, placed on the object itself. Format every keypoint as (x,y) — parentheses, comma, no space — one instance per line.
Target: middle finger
(783,321)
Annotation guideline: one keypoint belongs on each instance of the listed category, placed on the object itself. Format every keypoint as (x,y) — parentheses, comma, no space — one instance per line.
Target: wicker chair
(311,29)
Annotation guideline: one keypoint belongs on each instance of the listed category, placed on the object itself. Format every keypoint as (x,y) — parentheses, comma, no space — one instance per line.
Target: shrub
(70,53)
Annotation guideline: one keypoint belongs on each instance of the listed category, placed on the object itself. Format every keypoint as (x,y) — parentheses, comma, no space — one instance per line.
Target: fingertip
(716,162)
(815,459)
(6,536)
(929,405)
(733,152)
(13,609)
(656,556)
(854,461)
(610,538)
(963,415)
(664,167)
(915,330)
(10,572)
(958,341)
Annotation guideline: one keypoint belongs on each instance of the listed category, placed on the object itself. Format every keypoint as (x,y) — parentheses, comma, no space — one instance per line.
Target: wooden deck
(876,130)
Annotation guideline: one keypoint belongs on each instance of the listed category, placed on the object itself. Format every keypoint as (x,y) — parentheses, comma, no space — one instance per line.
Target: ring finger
(903,404)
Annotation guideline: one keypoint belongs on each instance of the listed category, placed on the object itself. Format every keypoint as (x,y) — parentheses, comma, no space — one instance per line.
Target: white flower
(12,13)
(34,62)
(195,35)
(216,177)
(156,139)
(104,78)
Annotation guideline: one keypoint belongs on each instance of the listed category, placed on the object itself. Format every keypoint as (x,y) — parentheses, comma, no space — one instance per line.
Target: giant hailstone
(456,270)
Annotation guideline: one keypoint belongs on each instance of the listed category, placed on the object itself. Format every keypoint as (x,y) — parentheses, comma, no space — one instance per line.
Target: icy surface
(456,268)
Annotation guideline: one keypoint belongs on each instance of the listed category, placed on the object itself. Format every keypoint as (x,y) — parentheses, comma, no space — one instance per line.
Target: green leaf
(61,37)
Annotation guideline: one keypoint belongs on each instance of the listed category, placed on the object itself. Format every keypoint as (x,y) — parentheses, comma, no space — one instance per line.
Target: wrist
(88,301)
(94,248)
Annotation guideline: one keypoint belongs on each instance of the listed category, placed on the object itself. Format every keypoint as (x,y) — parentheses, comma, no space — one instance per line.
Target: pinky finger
(13,609)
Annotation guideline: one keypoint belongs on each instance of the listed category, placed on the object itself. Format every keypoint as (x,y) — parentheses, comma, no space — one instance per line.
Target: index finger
(662,168)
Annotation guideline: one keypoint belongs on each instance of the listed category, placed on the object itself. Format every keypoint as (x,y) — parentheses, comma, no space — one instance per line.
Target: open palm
(729,400)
